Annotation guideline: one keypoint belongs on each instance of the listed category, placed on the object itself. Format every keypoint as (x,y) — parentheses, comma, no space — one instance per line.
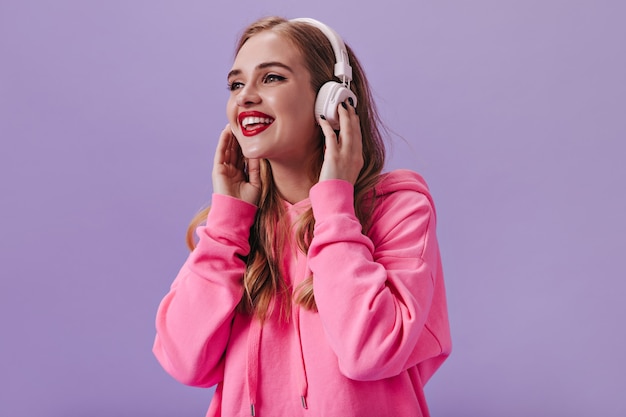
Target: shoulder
(400,182)
(401,195)
(403,216)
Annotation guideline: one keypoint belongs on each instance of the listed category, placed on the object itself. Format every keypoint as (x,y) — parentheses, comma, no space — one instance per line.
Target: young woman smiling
(315,285)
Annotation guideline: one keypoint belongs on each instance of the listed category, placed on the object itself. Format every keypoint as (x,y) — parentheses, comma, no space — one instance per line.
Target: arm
(193,320)
(373,294)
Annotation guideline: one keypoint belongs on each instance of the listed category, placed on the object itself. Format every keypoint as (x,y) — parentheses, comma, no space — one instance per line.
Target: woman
(315,287)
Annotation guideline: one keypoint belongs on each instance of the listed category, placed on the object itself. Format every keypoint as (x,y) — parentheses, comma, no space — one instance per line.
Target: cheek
(309,107)
(301,107)
(231,110)
(231,115)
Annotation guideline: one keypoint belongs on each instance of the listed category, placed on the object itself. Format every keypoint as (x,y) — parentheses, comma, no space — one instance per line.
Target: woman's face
(271,104)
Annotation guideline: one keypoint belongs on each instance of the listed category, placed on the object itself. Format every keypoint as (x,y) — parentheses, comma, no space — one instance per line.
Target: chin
(253,153)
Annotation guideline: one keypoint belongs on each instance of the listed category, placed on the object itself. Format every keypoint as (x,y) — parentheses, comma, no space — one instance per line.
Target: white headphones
(332,93)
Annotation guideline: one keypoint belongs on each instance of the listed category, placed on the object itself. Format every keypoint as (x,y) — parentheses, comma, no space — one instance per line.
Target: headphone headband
(343,70)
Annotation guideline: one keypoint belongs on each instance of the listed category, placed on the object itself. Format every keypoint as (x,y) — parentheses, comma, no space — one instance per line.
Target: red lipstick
(254,122)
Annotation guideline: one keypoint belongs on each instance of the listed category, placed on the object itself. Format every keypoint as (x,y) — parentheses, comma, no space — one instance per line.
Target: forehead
(268,46)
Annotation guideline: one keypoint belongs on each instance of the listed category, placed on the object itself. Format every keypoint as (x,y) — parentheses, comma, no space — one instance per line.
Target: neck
(292,182)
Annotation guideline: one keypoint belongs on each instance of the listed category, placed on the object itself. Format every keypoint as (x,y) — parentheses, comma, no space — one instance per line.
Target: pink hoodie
(380,332)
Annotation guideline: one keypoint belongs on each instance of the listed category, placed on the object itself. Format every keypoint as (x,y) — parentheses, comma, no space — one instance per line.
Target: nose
(248,95)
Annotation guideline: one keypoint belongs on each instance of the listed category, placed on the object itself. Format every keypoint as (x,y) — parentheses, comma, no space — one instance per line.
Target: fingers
(228,151)
(330,137)
(223,145)
(235,158)
(350,128)
(343,156)
(350,138)
(230,175)
(347,114)
(254,172)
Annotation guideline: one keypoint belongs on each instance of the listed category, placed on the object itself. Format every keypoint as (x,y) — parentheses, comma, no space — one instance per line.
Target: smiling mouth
(253,123)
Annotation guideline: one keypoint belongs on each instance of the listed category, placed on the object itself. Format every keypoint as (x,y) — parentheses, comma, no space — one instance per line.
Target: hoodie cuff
(231,213)
(331,197)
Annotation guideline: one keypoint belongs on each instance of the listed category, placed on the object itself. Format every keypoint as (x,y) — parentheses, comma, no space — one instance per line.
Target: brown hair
(262,279)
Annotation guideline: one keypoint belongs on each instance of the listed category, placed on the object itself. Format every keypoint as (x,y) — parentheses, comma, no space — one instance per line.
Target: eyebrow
(262,65)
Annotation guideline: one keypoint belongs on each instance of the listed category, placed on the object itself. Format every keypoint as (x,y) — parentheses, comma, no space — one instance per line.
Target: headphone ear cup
(328,98)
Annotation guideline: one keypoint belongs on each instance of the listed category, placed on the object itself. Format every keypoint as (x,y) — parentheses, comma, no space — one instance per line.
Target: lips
(254,122)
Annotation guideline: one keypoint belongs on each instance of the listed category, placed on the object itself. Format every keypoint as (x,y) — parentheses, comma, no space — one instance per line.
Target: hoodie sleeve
(194,319)
(374,293)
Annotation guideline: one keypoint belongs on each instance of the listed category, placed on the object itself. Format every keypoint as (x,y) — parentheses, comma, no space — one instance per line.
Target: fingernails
(351,101)
(344,105)
(322,117)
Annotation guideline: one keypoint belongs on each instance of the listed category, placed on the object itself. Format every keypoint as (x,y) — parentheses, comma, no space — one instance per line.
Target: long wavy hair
(262,280)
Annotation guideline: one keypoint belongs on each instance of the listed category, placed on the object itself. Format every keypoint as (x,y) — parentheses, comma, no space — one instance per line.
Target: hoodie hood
(402,180)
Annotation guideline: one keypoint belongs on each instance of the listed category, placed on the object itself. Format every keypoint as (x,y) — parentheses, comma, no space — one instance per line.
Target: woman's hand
(343,156)
(233,175)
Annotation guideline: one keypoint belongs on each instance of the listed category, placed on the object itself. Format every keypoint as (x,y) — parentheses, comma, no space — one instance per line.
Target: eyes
(272,78)
(234,86)
(267,79)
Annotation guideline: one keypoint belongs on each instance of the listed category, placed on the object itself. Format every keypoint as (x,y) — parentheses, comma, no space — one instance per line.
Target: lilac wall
(513,111)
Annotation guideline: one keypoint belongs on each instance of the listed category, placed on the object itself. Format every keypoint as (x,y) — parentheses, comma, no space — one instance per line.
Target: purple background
(514,111)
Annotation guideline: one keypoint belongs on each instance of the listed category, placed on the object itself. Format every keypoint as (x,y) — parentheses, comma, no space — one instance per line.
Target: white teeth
(255,120)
